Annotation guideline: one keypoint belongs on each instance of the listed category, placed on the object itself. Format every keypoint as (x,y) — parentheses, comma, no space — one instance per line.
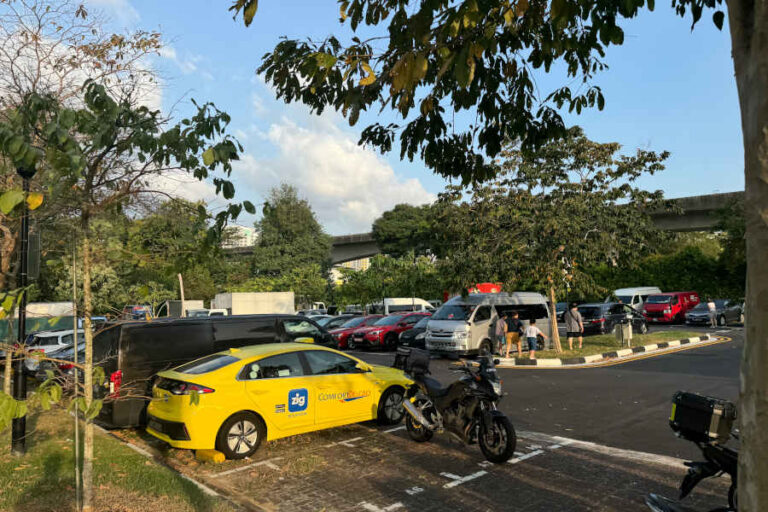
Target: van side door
(481,325)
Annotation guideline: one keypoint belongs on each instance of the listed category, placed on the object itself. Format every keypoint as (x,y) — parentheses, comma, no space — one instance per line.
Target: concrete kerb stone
(605,356)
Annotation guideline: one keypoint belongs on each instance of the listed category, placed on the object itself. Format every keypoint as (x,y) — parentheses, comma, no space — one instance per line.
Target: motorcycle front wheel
(498,442)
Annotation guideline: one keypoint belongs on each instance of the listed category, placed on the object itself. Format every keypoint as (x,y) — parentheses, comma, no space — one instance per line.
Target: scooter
(465,409)
(709,432)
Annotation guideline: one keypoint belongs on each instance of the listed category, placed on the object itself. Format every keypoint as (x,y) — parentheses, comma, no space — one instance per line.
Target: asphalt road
(623,406)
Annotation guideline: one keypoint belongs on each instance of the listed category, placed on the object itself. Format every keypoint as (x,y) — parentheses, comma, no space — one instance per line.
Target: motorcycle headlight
(496,387)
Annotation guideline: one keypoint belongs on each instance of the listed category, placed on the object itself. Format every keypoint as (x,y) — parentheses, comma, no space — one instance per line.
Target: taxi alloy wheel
(241,435)
(391,409)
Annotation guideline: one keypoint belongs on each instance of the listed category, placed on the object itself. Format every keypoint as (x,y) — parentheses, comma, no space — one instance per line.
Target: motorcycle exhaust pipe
(416,414)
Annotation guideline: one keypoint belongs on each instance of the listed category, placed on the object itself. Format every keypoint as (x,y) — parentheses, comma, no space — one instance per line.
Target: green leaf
(250,11)
(249,207)
(98,375)
(651,5)
(21,409)
(718,18)
(557,9)
(208,156)
(194,398)
(10,199)
(93,410)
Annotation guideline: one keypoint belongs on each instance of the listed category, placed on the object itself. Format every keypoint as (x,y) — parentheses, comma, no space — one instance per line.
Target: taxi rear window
(207,364)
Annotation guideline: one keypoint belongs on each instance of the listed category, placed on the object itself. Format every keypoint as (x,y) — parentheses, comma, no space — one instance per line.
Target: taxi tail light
(115,381)
(185,388)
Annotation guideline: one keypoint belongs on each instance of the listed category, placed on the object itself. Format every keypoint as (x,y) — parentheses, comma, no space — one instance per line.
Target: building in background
(238,236)
(357,265)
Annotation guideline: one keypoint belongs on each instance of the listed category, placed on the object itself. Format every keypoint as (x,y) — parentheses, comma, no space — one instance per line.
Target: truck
(173,309)
(254,303)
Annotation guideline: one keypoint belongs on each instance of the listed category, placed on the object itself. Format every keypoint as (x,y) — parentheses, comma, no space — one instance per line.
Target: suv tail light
(115,380)
(599,321)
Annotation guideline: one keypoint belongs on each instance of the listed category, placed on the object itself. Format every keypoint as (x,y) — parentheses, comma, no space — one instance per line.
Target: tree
(405,229)
(550,213)
(479,55)
(107,152)
(52,47)
(289,235)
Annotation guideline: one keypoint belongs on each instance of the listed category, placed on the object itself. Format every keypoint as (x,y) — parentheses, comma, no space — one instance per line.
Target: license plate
(155,425)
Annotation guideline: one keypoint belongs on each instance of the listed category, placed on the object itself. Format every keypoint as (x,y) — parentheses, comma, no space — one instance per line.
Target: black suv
(601,317)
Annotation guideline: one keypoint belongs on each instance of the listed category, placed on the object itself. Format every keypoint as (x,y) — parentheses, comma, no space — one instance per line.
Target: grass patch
(124,480)
(607,343)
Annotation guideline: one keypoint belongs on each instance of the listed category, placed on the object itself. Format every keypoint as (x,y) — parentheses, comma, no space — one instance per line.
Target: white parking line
(458,480)
(347,443)
(373,508)
(401,427)
(266,463)
(525,457)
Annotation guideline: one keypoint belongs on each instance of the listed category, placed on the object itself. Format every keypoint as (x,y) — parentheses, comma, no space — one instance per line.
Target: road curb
(605,356)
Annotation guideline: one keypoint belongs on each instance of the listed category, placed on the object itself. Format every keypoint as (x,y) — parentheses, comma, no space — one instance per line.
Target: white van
(464,325)
(400,305)
(50,341)
(634,297)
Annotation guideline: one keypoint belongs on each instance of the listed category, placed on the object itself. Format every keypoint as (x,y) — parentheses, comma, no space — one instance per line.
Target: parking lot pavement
(369,468)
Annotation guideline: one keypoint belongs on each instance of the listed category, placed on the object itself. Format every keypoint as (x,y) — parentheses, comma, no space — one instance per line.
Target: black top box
(702,419)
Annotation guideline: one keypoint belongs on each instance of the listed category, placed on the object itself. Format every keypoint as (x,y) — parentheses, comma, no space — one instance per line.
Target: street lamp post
(19,426)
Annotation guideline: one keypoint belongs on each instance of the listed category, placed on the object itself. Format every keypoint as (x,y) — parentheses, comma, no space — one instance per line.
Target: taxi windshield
(206,364)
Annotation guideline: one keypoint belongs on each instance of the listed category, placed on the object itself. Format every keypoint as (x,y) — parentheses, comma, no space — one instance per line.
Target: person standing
(514,332)
(532,334)
(501,333)
(712,308)
(574,325)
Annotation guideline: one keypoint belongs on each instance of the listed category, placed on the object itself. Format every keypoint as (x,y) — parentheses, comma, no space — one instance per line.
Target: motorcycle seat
(434,387)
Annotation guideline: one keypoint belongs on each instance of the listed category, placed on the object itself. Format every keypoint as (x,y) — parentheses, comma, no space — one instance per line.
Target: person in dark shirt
(514,331)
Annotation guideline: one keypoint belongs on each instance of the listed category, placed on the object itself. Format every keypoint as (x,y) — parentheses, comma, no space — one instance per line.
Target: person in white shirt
(531,335)
(712,307)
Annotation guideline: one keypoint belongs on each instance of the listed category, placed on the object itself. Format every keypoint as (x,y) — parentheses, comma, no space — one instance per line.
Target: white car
(50,341)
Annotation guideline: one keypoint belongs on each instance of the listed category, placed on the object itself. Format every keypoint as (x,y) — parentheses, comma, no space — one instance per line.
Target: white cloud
(187,65)
(258,104)
(347,185)
(181,185)
(121,10)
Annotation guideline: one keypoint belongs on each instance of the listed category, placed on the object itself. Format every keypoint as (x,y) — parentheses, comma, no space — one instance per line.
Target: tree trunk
(553,321)
(748,20)
(88,372)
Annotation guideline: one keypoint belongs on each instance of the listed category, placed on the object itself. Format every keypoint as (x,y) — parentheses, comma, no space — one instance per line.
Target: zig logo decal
(297,400)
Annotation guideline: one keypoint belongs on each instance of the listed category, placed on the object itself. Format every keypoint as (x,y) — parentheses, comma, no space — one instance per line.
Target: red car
(385,332)
(669,307)
(341,334)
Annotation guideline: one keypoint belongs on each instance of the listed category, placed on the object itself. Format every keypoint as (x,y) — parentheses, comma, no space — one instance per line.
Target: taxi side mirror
(363,367)
(304,340)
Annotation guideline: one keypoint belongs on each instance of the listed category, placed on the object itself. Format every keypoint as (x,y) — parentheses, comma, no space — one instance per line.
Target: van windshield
(454,312)
(659,299)
(626,299)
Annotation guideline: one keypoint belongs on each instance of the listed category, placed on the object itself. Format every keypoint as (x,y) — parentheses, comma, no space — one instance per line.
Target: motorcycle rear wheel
(499,444)
(416,430)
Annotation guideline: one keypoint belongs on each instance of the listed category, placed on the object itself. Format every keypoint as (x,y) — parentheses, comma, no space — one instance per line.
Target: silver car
(728,312)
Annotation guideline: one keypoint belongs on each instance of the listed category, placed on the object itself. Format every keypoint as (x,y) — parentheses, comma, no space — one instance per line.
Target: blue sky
(667,88)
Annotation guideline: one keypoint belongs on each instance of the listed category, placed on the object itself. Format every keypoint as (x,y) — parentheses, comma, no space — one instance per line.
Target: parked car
(465,325)
(311,312)
(602,317)
(342,333)
(131,353)
(332,322)
(136,312)
(385,332)
(415,336)
(560,309)
(46,342)
(267,392)
(669,307)
(400,305)
(728,311)
(64,366)
(634,297)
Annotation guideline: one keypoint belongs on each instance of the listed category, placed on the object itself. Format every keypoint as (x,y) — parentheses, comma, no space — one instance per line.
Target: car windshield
(354,322)
(454,312)
(422,324)
(659,299)
(590,312)
(701,307)
(389,320)
(323,320)
(206,364)
(626,299)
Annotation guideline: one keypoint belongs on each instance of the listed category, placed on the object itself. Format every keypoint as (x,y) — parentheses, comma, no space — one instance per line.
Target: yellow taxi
(231,401)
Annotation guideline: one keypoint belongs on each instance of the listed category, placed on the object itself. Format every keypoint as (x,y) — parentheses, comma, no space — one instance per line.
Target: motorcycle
(709,432)
(466,408)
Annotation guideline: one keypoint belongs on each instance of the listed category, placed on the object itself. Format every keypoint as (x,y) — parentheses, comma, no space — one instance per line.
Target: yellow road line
(624,360)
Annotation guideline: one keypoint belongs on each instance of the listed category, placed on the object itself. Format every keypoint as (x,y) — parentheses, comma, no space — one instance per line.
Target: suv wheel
(721,321)
(390,342)
(351,345)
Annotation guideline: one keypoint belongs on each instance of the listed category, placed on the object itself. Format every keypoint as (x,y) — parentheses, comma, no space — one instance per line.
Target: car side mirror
(363,367)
